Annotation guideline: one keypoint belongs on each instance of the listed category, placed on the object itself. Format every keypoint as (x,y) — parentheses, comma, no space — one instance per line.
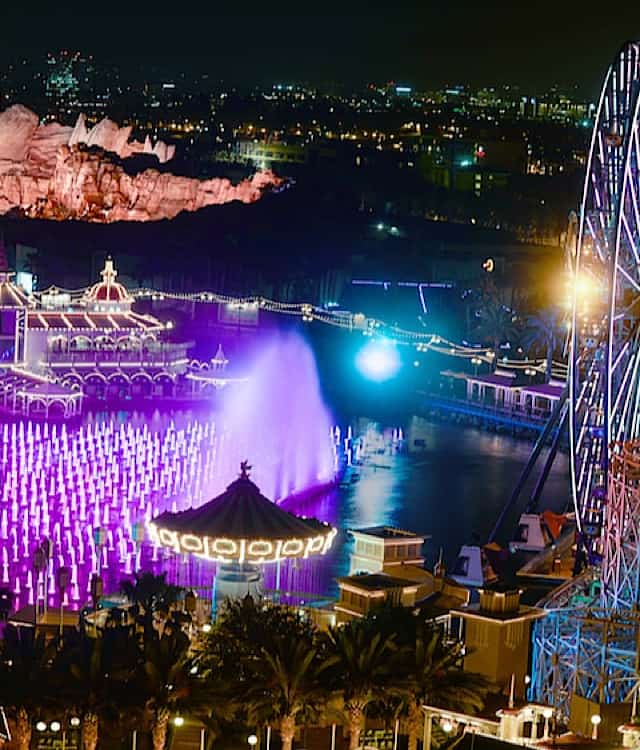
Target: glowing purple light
(91,489)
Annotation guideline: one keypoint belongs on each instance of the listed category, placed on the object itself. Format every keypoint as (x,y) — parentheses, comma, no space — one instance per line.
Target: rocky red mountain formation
(55,171)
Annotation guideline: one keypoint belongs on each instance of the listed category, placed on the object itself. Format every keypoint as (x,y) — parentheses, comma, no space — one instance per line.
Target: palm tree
(543,333)
(497,323)
(153,595)
(285,684)
(269,659)
(94,675)
(25,678)
(165,681)
(361,665)
(436,677)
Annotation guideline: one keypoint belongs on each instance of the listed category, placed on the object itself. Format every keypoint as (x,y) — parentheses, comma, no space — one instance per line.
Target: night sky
(419,42)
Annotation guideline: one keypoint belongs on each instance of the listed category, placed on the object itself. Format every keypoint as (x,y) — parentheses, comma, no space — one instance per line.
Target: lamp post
(96,589)
(99,537)
(64,576)
(595,723)
(252,739)
(41,558)
(428,727)
(40,566)
(476,362)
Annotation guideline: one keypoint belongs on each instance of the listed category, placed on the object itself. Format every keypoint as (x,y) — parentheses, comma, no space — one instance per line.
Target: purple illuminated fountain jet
(92,488)
(279,422)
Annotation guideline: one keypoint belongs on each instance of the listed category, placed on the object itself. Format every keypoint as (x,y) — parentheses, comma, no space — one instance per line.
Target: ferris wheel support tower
(587,646)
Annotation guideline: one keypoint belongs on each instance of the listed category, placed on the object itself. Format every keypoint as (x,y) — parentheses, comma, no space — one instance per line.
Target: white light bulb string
(345,320)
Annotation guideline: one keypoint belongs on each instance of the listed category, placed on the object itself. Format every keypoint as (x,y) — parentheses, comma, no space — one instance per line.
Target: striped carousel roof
(241,526)
(241,512)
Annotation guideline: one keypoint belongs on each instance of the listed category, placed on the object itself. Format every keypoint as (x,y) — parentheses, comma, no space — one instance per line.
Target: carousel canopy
(241,525)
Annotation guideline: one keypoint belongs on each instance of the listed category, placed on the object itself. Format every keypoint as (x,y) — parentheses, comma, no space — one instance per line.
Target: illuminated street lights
(476,362)
(595,722)
(252,740)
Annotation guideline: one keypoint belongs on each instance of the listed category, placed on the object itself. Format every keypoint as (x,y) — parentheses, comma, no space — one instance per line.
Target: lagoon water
(91,486)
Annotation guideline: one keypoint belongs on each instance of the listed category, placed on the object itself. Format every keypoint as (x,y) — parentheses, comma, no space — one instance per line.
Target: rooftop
(387,532)
(91,321)
(108,290)
(11,295)
(523,613)
(544,389)
(506,381)
(376,582)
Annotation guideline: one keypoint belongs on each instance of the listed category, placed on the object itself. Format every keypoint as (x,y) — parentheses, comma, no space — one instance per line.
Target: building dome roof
(242,525)
(108,290)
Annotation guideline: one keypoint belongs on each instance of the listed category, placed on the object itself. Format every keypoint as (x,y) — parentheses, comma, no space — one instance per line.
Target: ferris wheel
(604,372)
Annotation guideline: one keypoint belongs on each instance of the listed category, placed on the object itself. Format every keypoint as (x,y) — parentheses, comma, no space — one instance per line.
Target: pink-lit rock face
(17,127)
(57,172)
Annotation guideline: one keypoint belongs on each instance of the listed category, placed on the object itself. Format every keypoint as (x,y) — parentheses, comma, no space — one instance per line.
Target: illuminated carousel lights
(241,526)
(257,551)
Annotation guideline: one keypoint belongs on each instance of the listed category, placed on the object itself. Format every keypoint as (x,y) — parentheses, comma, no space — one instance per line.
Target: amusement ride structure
(241,530)
(586,648)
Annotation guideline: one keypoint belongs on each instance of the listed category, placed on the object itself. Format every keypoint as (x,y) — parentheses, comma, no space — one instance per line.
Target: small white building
(95,342)
(381,547)
(497,389)
(540,399)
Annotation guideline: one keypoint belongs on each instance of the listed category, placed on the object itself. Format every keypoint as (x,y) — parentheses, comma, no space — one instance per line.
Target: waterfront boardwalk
(485,414)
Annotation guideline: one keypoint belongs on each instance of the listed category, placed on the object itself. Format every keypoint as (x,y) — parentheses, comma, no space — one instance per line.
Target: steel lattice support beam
(590,652)
(621,562)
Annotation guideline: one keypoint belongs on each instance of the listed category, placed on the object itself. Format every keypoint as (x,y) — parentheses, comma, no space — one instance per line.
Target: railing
(561,597)
(476,407)
(165,356)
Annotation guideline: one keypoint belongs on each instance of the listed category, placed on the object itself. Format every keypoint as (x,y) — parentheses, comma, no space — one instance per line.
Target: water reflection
(450,484)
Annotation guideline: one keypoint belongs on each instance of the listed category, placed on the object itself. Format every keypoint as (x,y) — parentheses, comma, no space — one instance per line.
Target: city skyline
(421,44)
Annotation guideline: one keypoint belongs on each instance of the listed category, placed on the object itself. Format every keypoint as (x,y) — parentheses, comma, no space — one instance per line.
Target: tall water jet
(91,488)
(278,420)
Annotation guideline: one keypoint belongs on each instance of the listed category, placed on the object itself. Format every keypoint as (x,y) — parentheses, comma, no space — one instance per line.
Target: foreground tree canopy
(260,665)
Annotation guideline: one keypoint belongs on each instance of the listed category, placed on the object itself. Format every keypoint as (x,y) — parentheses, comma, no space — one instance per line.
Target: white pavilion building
(96,343)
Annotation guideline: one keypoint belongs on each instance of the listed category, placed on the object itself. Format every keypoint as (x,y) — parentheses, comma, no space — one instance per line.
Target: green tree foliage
(544,333)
